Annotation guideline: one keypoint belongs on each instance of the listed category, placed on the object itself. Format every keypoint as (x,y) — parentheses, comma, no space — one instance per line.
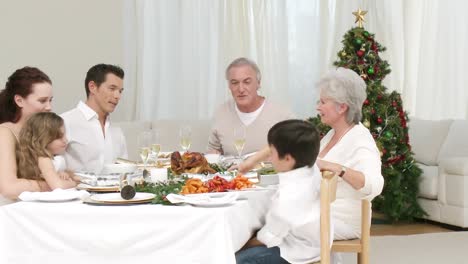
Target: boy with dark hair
(291,233)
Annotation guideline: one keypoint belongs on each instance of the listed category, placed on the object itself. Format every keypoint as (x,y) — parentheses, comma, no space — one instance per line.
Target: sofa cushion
(456,187)
(456,143)
(426,139)
(169,133)
(428,186)
(131,131)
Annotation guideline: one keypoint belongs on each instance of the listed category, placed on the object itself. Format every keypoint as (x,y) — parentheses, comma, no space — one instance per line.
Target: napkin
(204,199)
(56,195)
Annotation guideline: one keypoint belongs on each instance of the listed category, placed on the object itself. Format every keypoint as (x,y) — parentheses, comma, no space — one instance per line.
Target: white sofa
(441,151)
(169,134)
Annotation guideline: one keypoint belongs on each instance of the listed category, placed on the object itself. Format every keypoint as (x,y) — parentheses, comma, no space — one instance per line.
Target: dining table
(76,232)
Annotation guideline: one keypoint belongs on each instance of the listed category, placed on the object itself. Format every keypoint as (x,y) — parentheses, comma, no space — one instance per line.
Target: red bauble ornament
(394,104)
(379,120)
(360,53)
(379,96)
(376,69)
(403,123)
(372,111)
(374,47)
(366,102)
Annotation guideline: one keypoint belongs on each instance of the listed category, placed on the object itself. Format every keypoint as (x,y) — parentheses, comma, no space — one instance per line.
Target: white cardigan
(356,150)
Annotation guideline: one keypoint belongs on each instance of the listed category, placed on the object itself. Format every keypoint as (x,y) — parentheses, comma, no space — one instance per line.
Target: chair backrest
(327,196)
(328,187)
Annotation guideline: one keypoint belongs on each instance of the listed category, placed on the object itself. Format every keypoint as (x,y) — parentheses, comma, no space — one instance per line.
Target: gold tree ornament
(359,14)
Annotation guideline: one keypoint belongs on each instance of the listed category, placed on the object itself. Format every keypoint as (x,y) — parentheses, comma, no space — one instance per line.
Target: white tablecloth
(72,232)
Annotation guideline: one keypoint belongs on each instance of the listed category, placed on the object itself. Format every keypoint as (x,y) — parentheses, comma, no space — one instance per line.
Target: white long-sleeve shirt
(293,220)
(88,149)
(356,150)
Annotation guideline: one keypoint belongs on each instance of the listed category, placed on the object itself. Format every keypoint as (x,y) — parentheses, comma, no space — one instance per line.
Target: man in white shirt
(291,233)
(93,141)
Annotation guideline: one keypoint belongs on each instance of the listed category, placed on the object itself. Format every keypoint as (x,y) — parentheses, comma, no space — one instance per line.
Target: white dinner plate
(116,198)
(58,197)
(90,188)
(212,194)
(218,200)
(254,188)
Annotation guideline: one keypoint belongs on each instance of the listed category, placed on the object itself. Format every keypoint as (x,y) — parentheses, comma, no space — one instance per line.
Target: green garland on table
(219,167)
(161,189)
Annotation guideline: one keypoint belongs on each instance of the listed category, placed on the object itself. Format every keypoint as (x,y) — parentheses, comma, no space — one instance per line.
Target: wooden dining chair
(327,196)
(360,245)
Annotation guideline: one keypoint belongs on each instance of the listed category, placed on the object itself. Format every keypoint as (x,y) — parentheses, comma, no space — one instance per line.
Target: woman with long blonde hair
(42,137)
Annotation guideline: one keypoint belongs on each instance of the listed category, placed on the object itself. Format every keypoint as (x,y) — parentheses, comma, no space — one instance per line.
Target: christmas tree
(384,116)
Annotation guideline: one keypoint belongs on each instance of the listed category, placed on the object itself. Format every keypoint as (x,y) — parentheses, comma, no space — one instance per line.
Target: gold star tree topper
(359,14)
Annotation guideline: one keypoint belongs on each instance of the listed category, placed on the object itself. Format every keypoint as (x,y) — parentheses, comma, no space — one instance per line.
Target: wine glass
(239,140)
(155,145)
(144,141)
(185,133)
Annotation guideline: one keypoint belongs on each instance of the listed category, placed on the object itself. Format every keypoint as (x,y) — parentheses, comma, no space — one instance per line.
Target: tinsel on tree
(383,114)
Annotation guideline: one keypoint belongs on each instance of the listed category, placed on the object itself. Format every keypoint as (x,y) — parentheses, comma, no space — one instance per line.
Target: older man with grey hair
(247,109)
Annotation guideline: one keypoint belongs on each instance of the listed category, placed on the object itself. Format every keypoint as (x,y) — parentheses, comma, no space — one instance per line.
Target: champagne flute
(144,140)
(155,145)
(185,133)
(239,140)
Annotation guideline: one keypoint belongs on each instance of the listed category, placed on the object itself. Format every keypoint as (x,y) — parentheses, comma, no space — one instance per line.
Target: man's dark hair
(298,138)
(98,73)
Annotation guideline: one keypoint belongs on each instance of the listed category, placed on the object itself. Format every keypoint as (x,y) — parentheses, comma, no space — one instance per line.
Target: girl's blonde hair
(40,130)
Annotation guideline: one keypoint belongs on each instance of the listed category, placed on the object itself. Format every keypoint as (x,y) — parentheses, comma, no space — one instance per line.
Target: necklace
(328,147)
(346,131)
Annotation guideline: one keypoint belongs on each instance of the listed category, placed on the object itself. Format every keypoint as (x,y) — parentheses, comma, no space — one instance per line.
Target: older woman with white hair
(348,149)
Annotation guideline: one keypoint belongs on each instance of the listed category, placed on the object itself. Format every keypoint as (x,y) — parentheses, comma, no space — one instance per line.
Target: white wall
(64,38)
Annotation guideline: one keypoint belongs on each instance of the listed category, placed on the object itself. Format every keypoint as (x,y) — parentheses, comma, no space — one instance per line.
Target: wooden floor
(381,227)
(406,229)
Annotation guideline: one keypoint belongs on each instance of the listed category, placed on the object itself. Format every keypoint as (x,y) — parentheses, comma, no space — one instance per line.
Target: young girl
(43,137)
